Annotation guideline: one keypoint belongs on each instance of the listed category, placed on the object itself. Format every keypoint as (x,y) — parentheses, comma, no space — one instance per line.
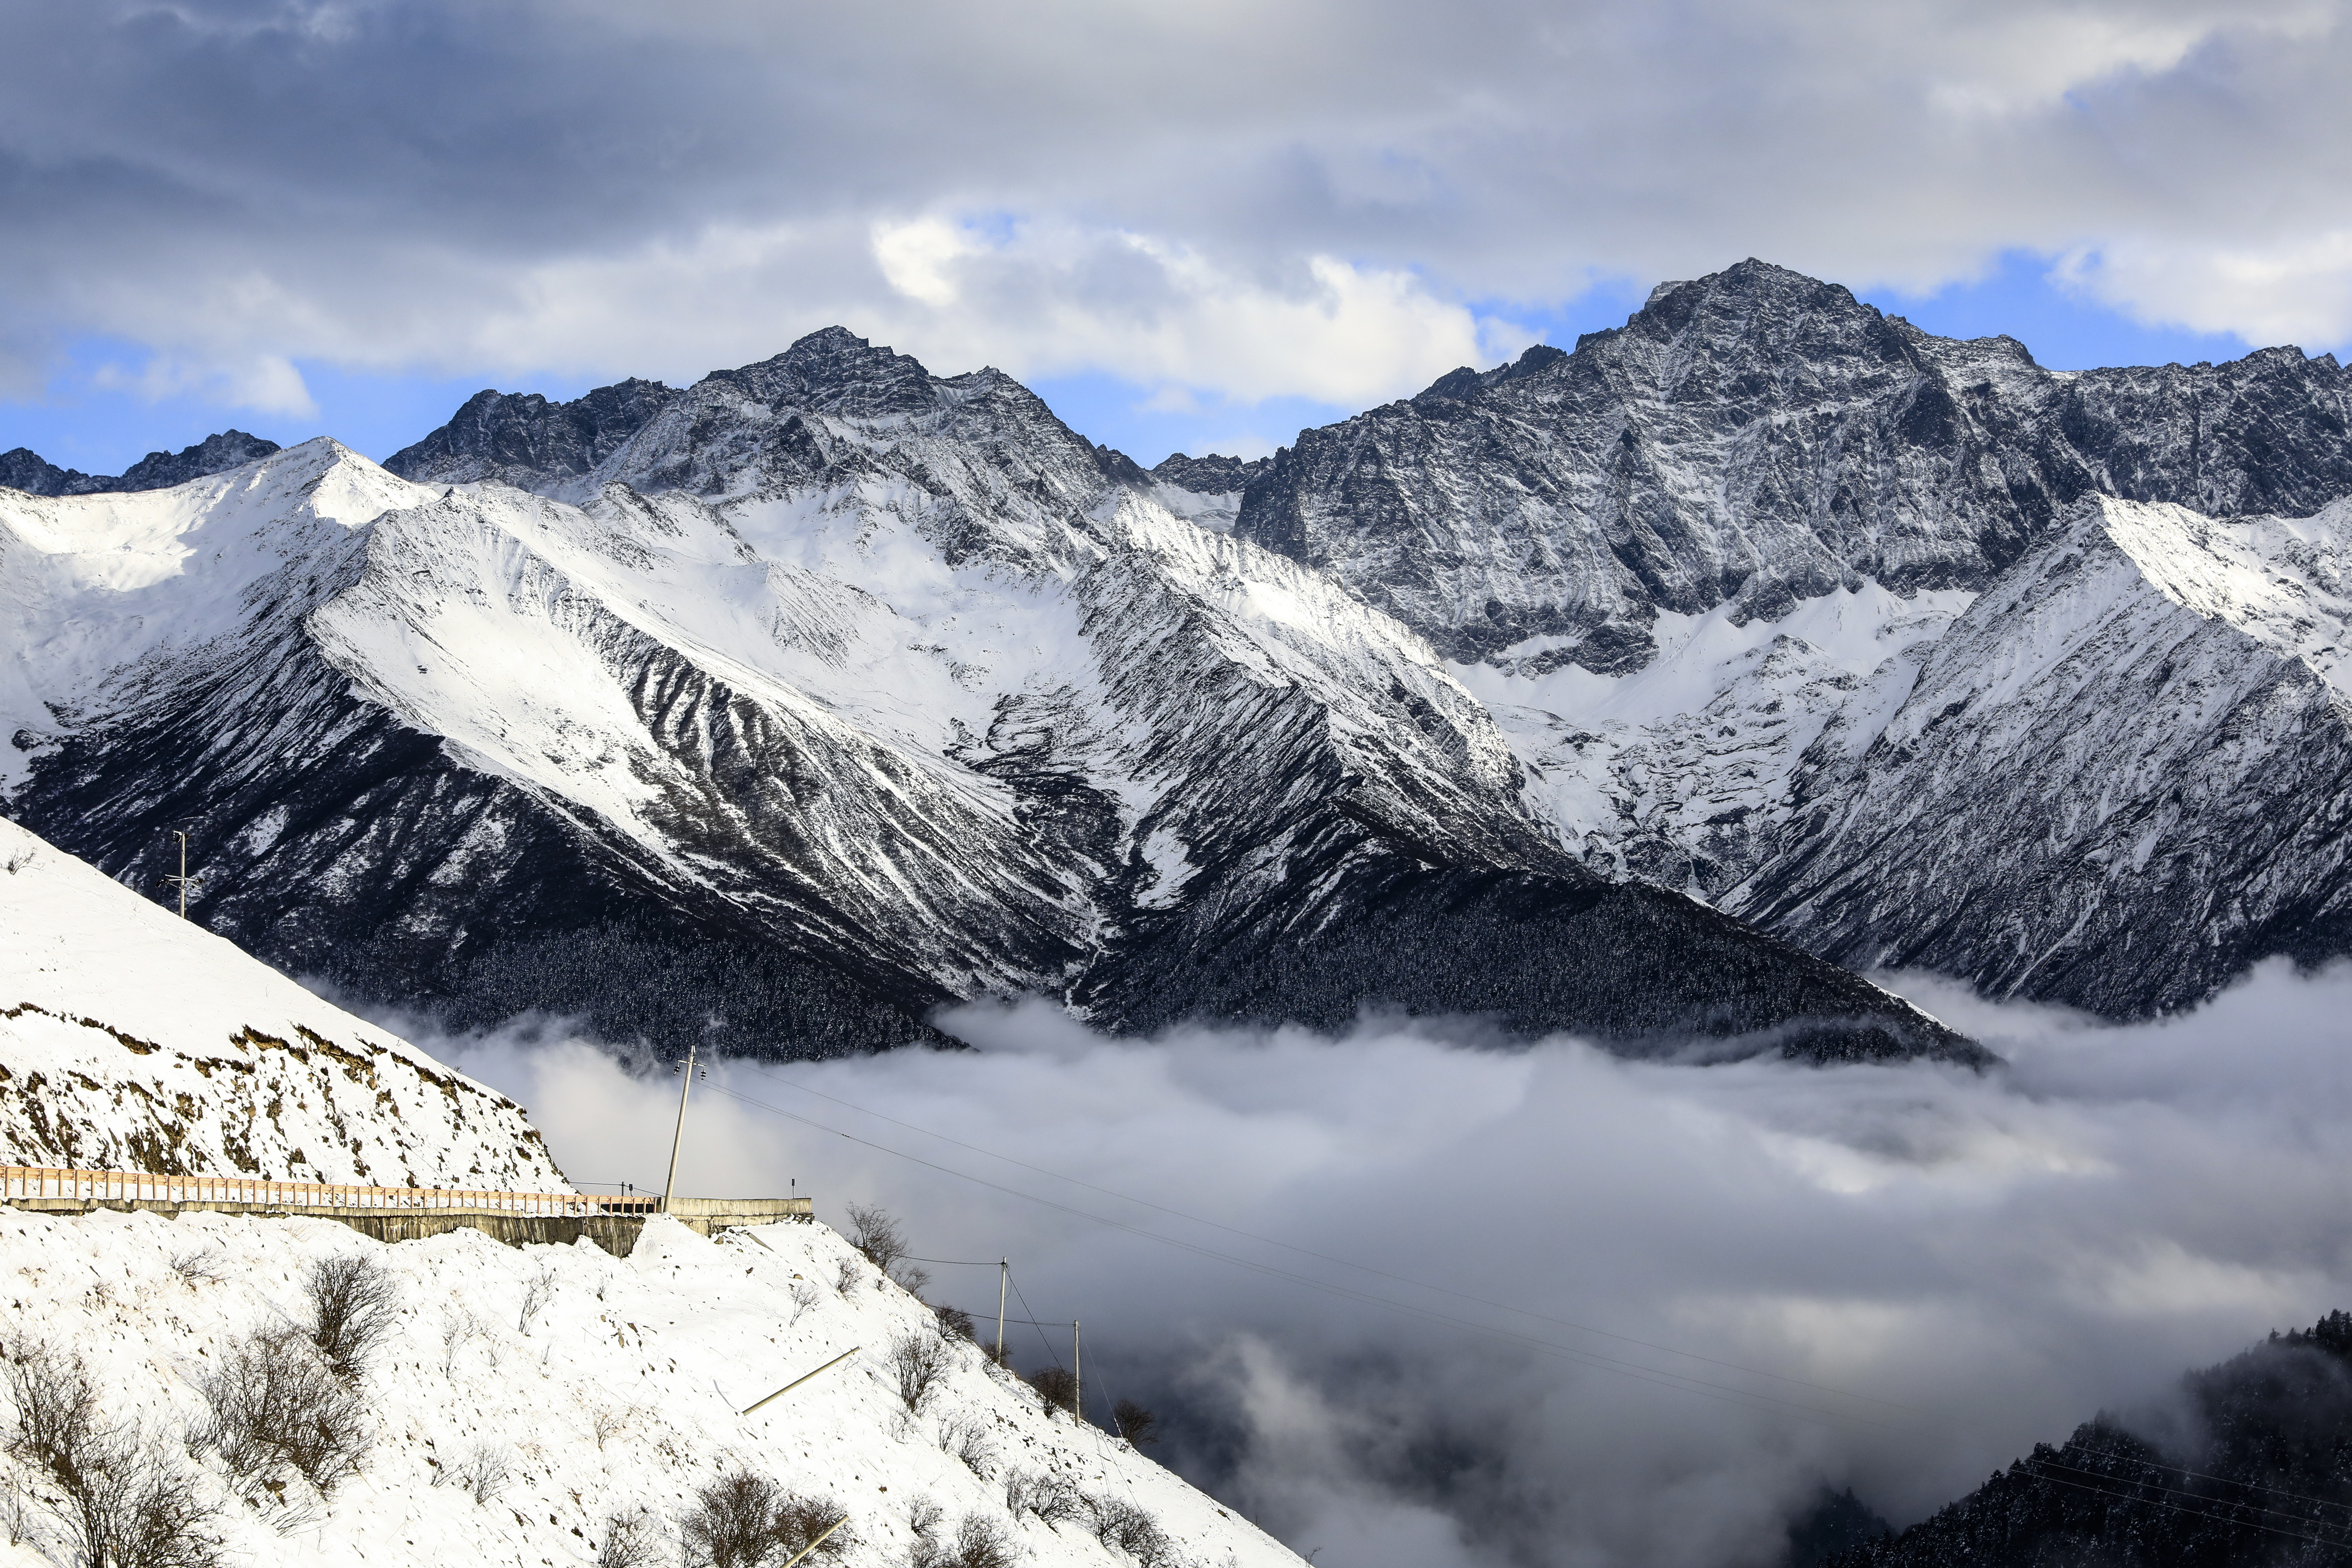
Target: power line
(1658,1376)
(1328,1258)
(2191,1512)
(1681,1381)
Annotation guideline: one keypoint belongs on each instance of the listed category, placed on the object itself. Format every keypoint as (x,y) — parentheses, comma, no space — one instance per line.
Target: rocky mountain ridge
(23,470)
(834,691)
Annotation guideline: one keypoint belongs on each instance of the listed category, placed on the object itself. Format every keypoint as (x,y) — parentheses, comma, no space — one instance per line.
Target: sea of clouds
(1573,1309)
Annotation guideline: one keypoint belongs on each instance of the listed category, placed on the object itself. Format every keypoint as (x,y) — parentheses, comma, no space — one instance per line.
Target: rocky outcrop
(22,469)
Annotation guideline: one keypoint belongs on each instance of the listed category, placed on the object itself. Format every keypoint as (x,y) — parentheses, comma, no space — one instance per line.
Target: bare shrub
(124,1504)
(966,1438)
(846,1276)
(1056,1386)
(804,1295)
(1124,1527)
(609,1422)
(955,1323)
(481,1474)
(535,1297)
(204,1265)
(353,1302)
(1138,1425)
(874,1232)
(459,1328)
(979,1543)
(919,1361)
(273,1403)
(632,1540)
(740,1521)
(1043,1496)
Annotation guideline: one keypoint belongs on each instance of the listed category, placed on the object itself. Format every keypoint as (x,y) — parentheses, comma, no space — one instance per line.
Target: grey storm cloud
(1728,1286)
(1306,198)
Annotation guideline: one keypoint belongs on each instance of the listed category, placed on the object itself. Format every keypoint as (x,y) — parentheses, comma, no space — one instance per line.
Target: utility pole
(181,881)
(686,1070)
(1004,1273)
(1077,1377)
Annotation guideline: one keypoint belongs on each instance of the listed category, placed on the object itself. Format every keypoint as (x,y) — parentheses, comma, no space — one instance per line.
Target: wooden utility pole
(1004,1273)
(678,1141)
(181,881)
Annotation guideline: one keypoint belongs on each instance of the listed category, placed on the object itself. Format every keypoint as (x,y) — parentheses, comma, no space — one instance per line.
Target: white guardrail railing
(37,1182)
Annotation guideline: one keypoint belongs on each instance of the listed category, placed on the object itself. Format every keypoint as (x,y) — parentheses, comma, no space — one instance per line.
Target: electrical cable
(1656,1375)
(2191,1512)
(1681,1381)
(1328,1258)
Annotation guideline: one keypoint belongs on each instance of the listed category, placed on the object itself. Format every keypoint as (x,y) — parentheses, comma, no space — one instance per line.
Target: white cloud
(1950,1266)
(1244,201)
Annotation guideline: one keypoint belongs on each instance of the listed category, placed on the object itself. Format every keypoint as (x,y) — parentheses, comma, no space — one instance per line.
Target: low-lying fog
(1893,1278)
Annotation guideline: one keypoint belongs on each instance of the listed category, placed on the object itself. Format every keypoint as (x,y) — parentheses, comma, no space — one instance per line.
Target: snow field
(131,1039)
(618,1393)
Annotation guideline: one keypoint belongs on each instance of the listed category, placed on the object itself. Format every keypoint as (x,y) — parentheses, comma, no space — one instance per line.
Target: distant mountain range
(1637,691)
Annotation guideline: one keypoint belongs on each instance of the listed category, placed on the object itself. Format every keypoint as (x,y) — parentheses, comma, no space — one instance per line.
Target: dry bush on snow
(804,1295)
(956,1323)
(204,1265)
(353,1302)
(874,1232)
(847,1275)
(919,1361)
(535,1297)
(1137,1424)
(1121,1525)
(459,1328)
(1056,1386)
(740,1521)
(481,1474)
(632,1540)
(979,1543)
(274,1403)
(124,1502)
(1045,1496)
(966,1438)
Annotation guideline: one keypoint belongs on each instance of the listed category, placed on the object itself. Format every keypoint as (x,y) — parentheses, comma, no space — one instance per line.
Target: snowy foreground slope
(130,1039)
(834,693)
(505,1433)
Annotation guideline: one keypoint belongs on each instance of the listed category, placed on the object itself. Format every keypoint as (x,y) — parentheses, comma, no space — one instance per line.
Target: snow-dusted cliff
(825,693)
(131,1040)
(2124,774)
(527,1399)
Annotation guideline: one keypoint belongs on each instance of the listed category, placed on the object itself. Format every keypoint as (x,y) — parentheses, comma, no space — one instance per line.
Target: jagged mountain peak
(24,469)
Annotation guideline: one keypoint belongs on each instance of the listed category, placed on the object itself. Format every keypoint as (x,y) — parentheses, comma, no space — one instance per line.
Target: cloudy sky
(1196,226)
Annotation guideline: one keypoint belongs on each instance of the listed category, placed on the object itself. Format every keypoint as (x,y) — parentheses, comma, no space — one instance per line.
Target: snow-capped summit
(836,691)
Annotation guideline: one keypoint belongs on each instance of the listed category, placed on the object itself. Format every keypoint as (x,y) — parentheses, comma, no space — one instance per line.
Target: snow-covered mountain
(528,1404)
(133,1040)
(2137,743)
(1762,588)
(801,700)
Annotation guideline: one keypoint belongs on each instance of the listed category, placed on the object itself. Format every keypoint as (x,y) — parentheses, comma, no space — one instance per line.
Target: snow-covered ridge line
(527,1400)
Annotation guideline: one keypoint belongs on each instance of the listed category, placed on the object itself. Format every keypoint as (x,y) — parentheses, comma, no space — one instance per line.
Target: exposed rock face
(1211,475)
(21,470)
(522,440)
(1755,438)
(2121,777)
(830,691)
(1855,631)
